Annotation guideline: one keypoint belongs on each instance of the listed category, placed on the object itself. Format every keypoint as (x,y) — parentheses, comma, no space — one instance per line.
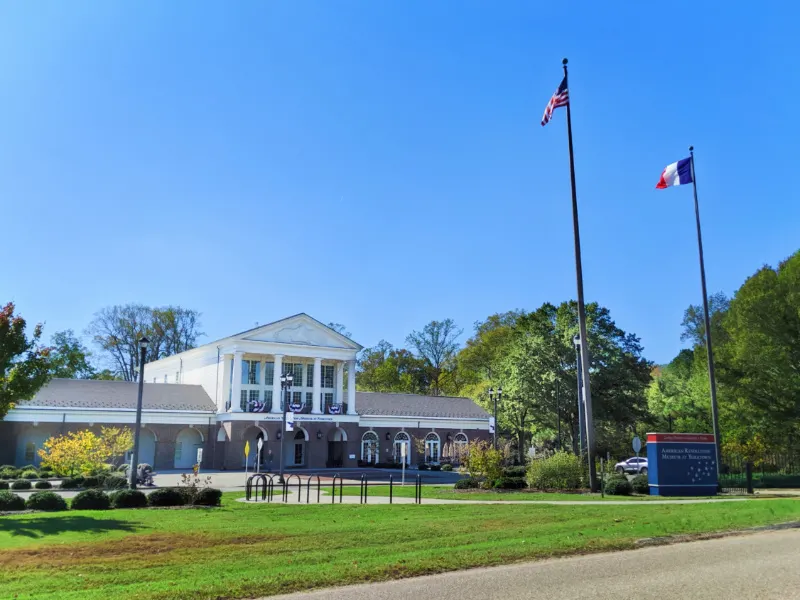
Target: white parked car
(632,465)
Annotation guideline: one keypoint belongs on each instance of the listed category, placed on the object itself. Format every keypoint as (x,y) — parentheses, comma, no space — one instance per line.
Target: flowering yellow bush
(83,451)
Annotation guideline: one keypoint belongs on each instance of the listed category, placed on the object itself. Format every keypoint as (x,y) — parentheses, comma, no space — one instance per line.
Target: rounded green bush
(128,499)
(93,481)
(516,471)
(21,484)
(447,467)
(71,483)
(640,484)
(9,502)
(436,467)
(49,501)
(90,500)
(9,473)
(468,483)
(4,485)
(29,468)
(30,474)
(166,497)
(618,485)
(43,485)
(509,483)
(4,467)
(115,482)
(207,497)
(561,471)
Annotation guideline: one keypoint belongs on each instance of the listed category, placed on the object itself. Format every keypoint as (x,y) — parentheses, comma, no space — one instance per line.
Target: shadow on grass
(38,527)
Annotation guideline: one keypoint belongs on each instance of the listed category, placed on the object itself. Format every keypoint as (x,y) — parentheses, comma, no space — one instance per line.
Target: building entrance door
(335,455)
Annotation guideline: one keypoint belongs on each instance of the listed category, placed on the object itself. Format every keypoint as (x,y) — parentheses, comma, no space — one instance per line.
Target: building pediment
(300,330)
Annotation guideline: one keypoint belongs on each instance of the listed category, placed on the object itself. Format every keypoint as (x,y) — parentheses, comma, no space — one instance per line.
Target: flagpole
(707,320)
(584,346)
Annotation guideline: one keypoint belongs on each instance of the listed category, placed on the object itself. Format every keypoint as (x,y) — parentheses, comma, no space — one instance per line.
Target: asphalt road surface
(763,565)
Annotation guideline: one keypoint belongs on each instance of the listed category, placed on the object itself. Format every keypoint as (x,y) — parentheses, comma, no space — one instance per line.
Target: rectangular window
(328,398)
(298,374)
(297,397)
(327,376)
(269,373)
(250,372)
(309,375)
(298,453)
(268,398)
(309,398)
(30,452)
(243,400)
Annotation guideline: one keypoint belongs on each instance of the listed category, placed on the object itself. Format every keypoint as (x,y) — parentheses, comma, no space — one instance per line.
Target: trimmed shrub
(166,497)
(29,468)
(21,484)
(517,471)
(46,473)
(436,467)
(71,483)
(9,502)
(30,474)
(447,467)
(207,497)
(468,483)
(510,483)
(128,499)
(90,500)
(93,481)
(49,501)
(9,473)
(115,482)
(43,485)
(422,467)
(640,485)
(562,471)
(3,485)
(4,467)
(618,485)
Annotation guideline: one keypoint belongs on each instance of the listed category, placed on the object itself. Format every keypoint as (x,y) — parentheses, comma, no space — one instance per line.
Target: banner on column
(289,421)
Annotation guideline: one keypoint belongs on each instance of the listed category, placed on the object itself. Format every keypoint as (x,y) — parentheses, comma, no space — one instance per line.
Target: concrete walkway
(754,566)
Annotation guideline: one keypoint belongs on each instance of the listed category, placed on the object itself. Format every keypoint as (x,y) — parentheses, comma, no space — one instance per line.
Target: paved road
(763,565)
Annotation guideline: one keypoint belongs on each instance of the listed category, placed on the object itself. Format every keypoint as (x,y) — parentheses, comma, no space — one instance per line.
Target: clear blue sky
(381,164)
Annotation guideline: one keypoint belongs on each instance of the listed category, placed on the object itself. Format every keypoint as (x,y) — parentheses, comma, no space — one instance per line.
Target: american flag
(560,98)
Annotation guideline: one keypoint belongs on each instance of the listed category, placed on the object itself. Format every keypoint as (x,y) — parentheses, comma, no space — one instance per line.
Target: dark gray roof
(412,405)
(90,393)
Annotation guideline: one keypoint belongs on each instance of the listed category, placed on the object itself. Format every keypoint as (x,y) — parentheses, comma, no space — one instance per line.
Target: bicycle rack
(270,487)
(308,488)
(362,492)
(333,489)
(299,488)
(253,487)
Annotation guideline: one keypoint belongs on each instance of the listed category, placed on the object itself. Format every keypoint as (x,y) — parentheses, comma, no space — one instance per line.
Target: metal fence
(737,473)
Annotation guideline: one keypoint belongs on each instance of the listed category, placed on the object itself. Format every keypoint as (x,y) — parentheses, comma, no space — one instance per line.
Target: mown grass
(241,551)
(446,492)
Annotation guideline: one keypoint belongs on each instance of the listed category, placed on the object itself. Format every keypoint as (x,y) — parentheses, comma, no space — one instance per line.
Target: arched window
(460,447)
(370,448)
(402,445)
(432,447)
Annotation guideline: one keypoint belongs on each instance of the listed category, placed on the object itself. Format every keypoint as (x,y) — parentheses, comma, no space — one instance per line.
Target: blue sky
(381,164)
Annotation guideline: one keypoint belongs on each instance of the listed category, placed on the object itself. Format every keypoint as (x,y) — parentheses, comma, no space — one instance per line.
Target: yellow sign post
(246,455)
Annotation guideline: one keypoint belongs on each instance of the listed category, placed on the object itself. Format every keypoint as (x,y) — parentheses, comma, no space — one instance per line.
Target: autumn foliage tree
(83,452)
(24,364)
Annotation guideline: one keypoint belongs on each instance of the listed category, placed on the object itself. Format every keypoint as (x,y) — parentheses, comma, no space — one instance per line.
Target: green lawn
(446,492)
(242,550)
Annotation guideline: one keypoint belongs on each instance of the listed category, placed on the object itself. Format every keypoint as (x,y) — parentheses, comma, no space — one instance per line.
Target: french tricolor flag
(678,173)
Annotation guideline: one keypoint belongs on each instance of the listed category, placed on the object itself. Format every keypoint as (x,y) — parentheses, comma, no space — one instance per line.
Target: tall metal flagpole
(587,393)
(707,320)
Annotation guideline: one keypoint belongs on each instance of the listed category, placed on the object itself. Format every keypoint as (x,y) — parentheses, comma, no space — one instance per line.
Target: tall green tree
(70,358)
(437,344)
(25,366)
(383,368)
(116,330)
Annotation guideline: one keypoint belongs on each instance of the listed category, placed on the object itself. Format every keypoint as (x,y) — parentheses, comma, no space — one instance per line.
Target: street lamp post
(581,414)
(558,412)
(286,387)
(495,398)
(135,459)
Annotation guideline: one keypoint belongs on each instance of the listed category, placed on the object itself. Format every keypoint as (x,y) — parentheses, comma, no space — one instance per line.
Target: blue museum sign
(681,464)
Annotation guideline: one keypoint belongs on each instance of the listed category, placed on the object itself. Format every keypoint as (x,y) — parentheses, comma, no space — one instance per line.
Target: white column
(236,387)
(317,401)
(351,387)
(276,384)
(225,382)
(340,383)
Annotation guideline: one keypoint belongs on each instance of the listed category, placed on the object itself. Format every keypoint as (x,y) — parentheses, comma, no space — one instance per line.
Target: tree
(24,366)
(339,328)
(117,331)
(70,358)
(84,452)
(437,344)
(383,368)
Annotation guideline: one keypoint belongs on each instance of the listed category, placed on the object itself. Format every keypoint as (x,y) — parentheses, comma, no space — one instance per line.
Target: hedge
(510,483)
(70,483)
(21,484)
(128,499)
(447,467)
(30,474)
(618,485)
(640,484)
(115,482)
(11,502)
(166,497)
(49,501)
(561,471)
(468,483)
(3,485)
(90,500)
(43,485)
(207,497)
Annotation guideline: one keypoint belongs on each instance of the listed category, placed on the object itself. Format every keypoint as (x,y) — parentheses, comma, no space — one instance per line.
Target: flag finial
(691,148)
(564,62)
